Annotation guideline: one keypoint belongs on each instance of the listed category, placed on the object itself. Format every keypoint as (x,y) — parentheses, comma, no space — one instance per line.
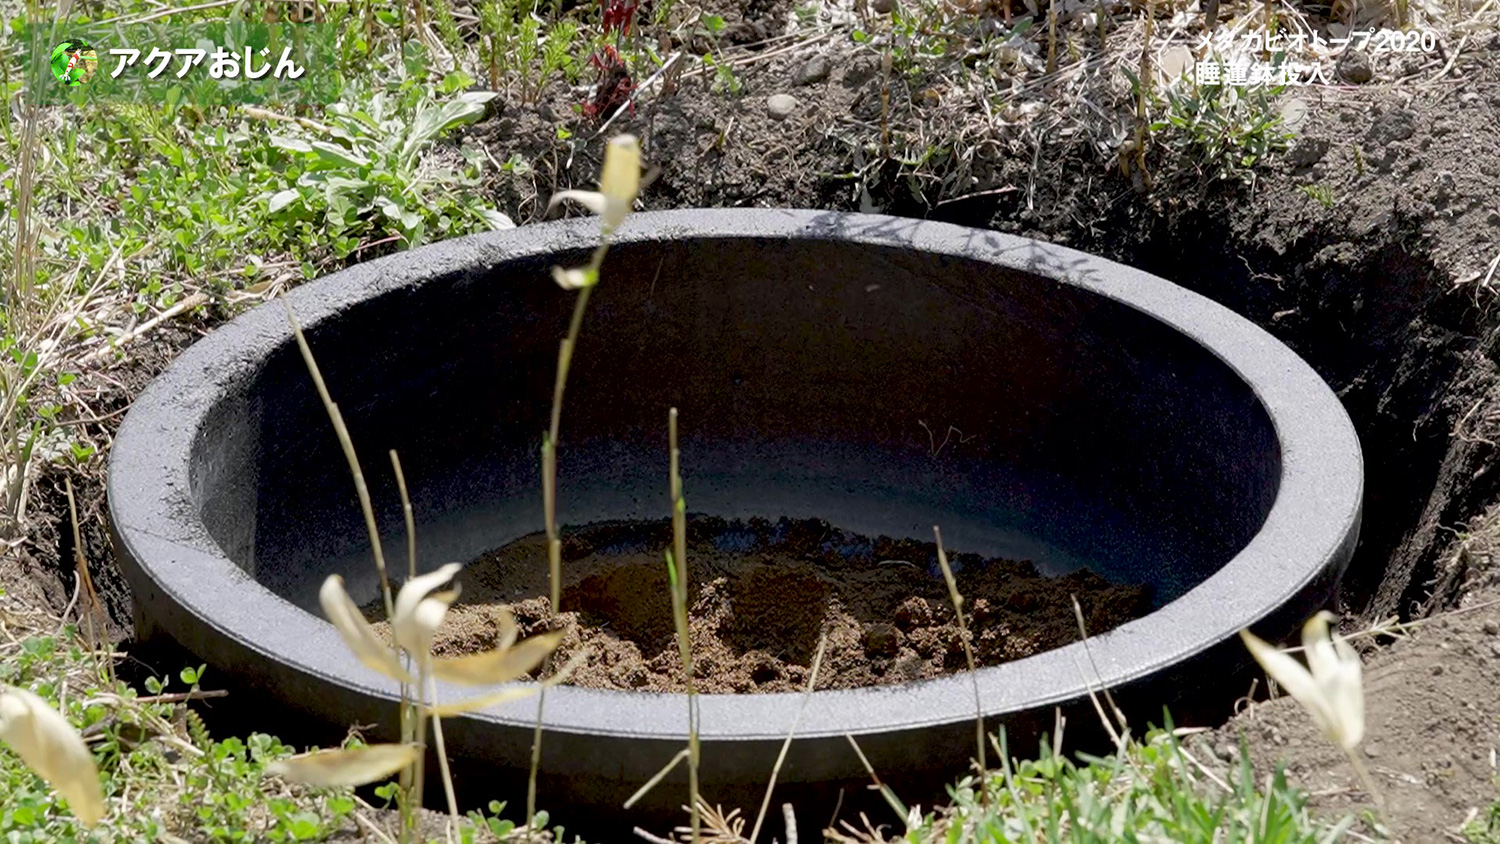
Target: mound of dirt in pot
(762,593)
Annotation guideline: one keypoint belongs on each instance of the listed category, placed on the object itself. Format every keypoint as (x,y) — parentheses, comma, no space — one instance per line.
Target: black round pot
(1100,416)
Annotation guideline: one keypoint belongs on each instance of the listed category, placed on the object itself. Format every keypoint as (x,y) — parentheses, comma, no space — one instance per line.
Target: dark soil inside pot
(762,593)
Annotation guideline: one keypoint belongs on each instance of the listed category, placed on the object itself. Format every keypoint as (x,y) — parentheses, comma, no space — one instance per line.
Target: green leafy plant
(558,49)
(361,172)
(1485,829)
(526,44)
(724,80)
(1320,193)
(158,769)
(497,27)
(1226,130)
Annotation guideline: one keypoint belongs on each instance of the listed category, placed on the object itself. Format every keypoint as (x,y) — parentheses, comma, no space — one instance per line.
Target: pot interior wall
(880,389)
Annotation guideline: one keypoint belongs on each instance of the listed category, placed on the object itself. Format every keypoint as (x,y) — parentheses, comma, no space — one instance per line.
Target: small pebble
(1495,648)
(815,69)
(883,7)
(1437,670)
(1492,627)
(1372,751)
(781,106)
(1355,67)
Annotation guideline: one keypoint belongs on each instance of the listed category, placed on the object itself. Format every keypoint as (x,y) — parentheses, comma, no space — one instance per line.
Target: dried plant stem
(677,566)
(1365,780)
(418,768)
(1051,38)
(411,523)
(657,778)
(885,103)
(536,762)
(412,727)
(963,633)
(92,605)
(442,754)
(1142,94)
(549,442)
(549,504)
(360,488)
(408,711)
(18,285)
(1083,637)
(812,682)
(885,791)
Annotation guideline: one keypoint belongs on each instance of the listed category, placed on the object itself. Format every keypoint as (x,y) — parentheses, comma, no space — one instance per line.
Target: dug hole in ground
(1369,246)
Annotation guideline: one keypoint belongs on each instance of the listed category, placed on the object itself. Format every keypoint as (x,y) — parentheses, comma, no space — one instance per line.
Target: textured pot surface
(1099,417)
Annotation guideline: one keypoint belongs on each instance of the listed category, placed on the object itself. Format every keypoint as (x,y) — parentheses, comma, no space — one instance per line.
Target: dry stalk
(1051,38)
(413,724)
(812,682)
(963,633)
(18,286)
(1083,635)
(885,791)
(442,755)
(549,508)
(360,487)
(92,604)
(677,568)
(885,103)
(408,721)
(1143,90)
(406,512)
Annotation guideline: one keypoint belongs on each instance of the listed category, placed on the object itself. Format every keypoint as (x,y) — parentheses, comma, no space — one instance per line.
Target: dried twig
(187,304)
(812,681)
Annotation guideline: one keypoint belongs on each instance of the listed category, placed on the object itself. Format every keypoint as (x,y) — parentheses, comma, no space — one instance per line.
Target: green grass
(162,771)
(164,775)
(1485,828)
(1148,791)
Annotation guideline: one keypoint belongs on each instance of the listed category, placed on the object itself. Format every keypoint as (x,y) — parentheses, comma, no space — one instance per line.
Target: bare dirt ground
(1370,247)
(762,595)
(1432,732)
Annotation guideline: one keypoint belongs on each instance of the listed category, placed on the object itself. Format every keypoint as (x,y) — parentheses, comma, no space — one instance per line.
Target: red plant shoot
(615,85)
(619,14)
